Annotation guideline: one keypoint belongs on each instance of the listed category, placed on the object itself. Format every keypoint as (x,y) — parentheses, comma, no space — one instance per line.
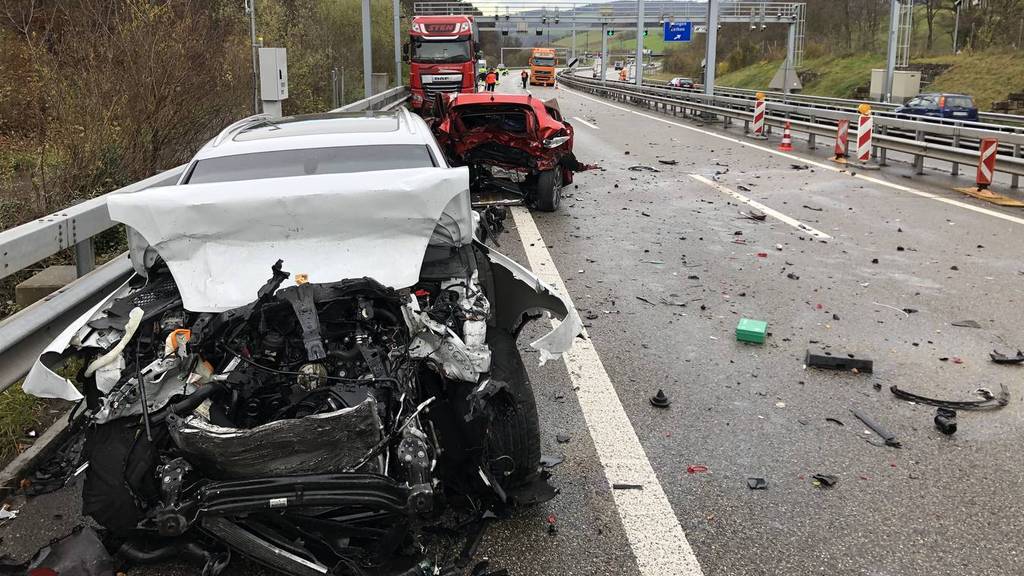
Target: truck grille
(429,89)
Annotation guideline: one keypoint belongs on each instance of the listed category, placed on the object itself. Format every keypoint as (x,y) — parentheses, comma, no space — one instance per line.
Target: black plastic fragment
(987,403)
(660,400)
(945,420)
(889,437)
(755,483)
(838,362)
(826,480)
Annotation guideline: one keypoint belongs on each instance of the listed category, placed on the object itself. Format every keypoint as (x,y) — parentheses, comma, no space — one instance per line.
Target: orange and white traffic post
(987,151)
(864,129)
(986,162)
(842,141)
(757,128)
(787,139)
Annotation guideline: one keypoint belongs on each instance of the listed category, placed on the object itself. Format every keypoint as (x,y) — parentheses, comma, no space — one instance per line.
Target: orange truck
(542,66)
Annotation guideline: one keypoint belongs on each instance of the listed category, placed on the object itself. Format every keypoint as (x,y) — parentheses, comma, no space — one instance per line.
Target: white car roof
(263,134)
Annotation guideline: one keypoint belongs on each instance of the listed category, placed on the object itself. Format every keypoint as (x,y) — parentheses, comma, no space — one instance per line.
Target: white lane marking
(894,186)
(584,122)
(654,533)
(755,204)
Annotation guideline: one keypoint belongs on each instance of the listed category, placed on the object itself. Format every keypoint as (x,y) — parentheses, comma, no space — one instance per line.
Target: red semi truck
(442,57)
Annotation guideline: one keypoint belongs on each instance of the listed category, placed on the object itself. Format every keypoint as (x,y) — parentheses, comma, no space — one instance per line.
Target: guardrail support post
(918,158)
(1015,179)
(812,138)
(85,257)
(955,170)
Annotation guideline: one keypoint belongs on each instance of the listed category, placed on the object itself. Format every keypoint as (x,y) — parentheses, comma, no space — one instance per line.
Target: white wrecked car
(314,358)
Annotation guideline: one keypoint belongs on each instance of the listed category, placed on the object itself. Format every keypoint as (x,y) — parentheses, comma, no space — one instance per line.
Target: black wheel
(548,194)
(513,441)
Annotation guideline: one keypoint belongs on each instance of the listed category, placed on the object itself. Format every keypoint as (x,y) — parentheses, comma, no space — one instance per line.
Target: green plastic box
(751,330)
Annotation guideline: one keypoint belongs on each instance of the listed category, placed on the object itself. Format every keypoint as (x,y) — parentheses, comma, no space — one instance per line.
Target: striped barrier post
(842,140)
(759,113)
(986,162)
(864,128)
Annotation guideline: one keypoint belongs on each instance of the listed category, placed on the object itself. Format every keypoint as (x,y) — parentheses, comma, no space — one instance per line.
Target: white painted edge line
(880,182)
(584,122)
(655,535)
(769,211)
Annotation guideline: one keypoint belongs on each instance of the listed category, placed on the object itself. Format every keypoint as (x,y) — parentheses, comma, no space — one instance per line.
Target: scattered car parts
(1000,358)
(887,436)
(848,362)
(986,403)
(945,420)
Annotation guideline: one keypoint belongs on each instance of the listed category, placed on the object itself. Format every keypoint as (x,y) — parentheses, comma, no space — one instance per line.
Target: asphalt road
(663,264)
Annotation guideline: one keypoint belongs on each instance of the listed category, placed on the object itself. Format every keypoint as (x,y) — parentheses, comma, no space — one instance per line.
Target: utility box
(905,85)
(273,79)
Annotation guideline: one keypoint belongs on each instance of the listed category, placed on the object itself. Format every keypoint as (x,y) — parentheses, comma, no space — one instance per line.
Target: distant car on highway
(941,105)
(619,65)
(681,82)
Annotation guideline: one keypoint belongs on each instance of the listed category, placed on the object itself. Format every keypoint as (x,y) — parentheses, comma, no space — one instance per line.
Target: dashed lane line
(755,204)
(880,182)
(655,535)
(584,122)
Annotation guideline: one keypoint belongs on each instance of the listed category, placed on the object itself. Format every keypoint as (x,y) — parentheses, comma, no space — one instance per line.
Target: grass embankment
(988,76)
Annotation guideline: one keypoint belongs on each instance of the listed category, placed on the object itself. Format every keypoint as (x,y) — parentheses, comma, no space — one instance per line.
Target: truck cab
(442,54)
(542,66)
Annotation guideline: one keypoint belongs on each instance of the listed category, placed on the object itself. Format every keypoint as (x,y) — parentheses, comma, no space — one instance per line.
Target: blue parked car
(951,106)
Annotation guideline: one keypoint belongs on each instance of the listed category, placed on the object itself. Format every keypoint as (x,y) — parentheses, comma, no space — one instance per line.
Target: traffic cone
(787,140)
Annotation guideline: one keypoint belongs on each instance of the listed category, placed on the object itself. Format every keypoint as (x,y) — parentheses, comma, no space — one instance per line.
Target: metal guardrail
(928,140)
(25,334)
(985,118)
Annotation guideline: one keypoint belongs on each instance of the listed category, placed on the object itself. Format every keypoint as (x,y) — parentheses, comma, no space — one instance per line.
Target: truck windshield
(542,61)
(440,51)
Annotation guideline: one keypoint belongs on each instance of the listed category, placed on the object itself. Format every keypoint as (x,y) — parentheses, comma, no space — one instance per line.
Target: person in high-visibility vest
(491,80)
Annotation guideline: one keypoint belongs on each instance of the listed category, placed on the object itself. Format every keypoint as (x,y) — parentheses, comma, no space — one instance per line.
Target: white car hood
(220,240)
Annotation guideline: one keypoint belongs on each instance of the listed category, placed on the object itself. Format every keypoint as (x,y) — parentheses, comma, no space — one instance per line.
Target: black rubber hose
(190,402)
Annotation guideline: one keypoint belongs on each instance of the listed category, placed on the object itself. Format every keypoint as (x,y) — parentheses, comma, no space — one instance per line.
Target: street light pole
(639,43)
(398,43)
(367,52)
(250,9)
(956,26)
(712,39)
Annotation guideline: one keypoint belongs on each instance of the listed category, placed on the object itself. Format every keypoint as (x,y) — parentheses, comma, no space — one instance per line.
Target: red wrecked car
(518,148)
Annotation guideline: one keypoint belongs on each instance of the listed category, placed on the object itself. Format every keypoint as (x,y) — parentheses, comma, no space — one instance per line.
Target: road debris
(813,208)
(696,469)
(754,215)
(642,299)
(850,362)
(792,276)
(966,324)
(660,400)
(824,480)
(643,168)
(835,421)
(668,162)
(1000,358)
(7,513)
(887,436)
(799,166)
(618,486)
(80,553)
(753,331)
(988,401)
(562,438)
(904,311)
(755,483)
(945,420)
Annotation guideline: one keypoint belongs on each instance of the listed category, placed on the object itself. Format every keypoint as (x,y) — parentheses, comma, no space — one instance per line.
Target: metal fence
(25,334)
